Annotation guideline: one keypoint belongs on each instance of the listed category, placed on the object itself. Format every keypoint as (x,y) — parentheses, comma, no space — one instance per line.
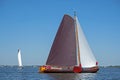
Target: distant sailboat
(70,51)
(19,58)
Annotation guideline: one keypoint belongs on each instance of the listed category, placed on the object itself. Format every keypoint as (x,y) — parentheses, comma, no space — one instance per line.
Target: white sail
(19,58)
(87,58)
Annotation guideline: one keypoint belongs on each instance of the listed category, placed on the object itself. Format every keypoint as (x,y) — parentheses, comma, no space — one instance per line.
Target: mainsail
(63,50)
(19,58)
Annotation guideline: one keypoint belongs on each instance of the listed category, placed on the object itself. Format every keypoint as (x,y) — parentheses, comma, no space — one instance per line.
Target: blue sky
(31,25)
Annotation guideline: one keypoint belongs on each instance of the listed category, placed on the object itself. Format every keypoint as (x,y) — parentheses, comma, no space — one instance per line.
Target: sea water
(31,73)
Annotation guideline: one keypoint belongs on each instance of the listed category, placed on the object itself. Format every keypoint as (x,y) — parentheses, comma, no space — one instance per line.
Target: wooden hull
(66,69)
(58,71)
(90,70)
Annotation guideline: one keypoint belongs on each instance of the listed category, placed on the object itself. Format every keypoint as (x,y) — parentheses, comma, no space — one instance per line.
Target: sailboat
(19,58)
(70,51)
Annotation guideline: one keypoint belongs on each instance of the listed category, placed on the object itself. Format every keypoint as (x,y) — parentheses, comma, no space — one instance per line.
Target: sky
(31,25)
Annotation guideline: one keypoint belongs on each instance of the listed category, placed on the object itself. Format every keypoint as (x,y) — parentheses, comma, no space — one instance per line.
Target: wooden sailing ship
(70,51)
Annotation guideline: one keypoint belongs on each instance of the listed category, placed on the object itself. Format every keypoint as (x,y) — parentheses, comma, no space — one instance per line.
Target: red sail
(63,50)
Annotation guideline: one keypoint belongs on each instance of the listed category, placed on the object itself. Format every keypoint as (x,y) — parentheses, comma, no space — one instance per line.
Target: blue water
(31,73)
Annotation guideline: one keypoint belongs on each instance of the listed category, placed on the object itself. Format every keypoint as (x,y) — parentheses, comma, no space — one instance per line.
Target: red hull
(66,69)
(90,70)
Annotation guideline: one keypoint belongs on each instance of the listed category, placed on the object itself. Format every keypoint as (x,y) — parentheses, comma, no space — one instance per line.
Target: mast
(77,42)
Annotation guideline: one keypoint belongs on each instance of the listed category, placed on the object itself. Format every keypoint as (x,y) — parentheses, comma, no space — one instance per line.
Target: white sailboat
(19,58)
